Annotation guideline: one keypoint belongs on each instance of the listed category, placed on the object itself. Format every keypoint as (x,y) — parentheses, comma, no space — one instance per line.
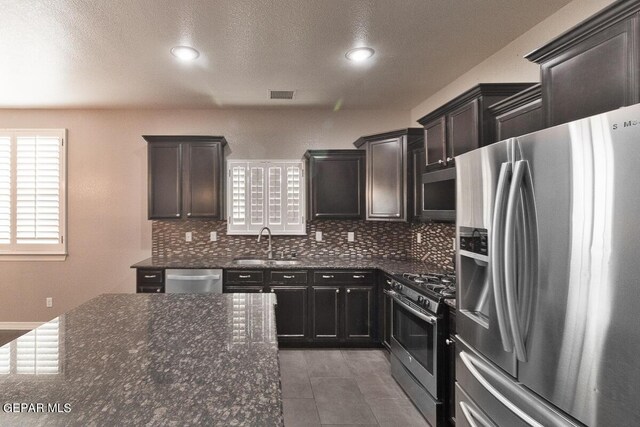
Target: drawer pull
(358,276)
(286,276)
(260,291)
(348,291)
(158,290)
(337,291)
(327,276)
(150,276)
(273,290)
(244,276)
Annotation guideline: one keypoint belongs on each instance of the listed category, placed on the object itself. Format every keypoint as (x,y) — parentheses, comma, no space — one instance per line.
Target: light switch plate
(419,237)
(318,236)
(188,236)
(351,236)
(213,236)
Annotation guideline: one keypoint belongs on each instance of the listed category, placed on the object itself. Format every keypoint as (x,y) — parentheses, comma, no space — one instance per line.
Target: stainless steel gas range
(418,339)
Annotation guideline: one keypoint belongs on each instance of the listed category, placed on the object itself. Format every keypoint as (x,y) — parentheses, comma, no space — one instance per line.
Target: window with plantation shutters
(32,193)
(265,193)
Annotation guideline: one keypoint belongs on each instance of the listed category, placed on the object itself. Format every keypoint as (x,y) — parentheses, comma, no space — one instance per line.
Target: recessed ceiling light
(359,54)
(185,53)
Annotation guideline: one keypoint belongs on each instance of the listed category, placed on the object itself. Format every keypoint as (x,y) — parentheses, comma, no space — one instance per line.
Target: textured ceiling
(115,53)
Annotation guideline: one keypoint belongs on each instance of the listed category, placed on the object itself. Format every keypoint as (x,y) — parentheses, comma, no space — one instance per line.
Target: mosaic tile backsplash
(392,240)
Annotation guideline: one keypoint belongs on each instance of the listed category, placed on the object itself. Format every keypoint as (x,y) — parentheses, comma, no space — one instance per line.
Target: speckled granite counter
(173,359)
(387,265)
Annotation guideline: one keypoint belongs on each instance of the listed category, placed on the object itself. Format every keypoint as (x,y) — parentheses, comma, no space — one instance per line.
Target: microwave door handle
(497,255)
(510,276)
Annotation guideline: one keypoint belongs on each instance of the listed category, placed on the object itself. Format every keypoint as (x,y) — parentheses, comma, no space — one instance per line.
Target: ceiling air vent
(281,94)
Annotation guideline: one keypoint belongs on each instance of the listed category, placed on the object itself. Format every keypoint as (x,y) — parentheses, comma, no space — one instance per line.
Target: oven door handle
(429,319)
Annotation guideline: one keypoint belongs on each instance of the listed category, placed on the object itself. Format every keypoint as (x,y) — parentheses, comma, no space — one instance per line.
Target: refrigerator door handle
(510,277)
(472,364)
(473,417)
(497,256)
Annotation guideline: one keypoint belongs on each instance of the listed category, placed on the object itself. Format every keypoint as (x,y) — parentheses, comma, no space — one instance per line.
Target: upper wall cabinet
(388,196)
(593,67)
(336,184)
(519,114)
(464,123)
(185,176)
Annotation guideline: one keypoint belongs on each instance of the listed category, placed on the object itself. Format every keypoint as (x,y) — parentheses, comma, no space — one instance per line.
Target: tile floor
(343,387)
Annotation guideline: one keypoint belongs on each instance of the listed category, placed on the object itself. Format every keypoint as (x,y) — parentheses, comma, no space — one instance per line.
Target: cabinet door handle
(177,215)
(288,276)
(441,162)
(449,342)
(337,291)
(157,289)
(449,159)
(348,291)
(273,290)
(150,276)
(260,291)
(189,214)
(358,276)
(327,276)
(244,276)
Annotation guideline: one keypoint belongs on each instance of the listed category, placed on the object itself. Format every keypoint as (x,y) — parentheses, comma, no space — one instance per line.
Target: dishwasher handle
(179,277)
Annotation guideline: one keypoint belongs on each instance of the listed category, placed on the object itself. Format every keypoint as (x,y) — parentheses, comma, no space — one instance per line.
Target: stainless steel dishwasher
(193,281)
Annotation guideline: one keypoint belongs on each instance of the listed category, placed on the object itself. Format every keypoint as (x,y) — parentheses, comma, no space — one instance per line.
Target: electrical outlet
(213,236)
(351,236)
(49,301)
(318,236)
(188,236)
(419,237)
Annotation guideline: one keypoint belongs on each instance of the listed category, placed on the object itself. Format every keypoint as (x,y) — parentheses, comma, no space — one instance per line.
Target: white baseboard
(19,326)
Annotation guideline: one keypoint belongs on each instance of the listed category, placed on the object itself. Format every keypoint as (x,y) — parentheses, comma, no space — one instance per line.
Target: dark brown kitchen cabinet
(185,176)
(291,311)
(149,281)
(414,178)
(464,123)
(593,67)
(519,114)
(336,184)
(343,307)
(291,290)
(325,313)
(388,197)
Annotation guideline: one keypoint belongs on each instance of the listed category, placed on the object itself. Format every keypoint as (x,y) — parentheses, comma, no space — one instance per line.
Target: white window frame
(30,251)
(252,227)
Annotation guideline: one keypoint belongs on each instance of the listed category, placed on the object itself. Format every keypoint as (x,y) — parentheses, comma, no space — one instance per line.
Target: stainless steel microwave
(439,195)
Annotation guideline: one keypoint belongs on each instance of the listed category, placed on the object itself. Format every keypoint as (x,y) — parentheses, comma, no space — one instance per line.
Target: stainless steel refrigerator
(548,323)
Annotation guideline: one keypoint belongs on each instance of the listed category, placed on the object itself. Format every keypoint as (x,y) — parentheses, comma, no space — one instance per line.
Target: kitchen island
(143,359)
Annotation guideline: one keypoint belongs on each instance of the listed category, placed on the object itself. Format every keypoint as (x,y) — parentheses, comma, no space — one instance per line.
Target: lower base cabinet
(332,308)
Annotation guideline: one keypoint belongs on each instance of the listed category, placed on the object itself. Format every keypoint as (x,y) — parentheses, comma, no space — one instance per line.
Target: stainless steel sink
(262,261)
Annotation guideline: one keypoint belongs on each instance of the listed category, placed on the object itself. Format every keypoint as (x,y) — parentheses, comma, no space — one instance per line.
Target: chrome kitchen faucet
(269,250)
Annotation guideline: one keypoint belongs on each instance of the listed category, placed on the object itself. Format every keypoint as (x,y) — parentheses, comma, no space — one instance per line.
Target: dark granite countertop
(387,265)
(166,359)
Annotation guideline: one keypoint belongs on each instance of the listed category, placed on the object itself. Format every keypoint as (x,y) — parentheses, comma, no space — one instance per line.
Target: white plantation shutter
(32,192)
(265,193)
(5,190)
(37,352)
(5,359)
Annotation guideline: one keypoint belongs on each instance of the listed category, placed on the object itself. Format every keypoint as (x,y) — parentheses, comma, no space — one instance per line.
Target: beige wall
(508,64)
(108,228)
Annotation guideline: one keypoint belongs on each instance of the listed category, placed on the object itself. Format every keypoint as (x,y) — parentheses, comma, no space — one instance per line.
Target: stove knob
(421,300)
(426,303)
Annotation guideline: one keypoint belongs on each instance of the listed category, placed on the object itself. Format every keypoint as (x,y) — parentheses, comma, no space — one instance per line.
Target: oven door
(414,341)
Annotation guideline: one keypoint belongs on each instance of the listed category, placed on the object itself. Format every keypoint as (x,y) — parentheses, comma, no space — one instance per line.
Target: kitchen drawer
(150,276)
(244,276)
(150,289)
(288,277)
(251,289)
(349,277)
